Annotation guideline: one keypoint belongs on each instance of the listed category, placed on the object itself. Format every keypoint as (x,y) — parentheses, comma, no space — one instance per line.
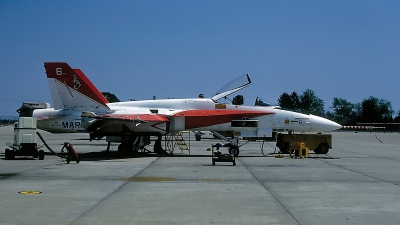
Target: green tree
(311,104)
(370,112)
(343,111)
(289,101)
(374,110)
(385,109)
(397,118)
(295,100)
(357,113)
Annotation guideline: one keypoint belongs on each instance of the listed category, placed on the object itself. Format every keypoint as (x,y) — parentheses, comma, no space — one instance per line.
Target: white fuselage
(191,114)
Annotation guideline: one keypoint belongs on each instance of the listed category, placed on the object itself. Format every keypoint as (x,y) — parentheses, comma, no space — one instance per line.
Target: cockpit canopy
(234,86)
(260,102)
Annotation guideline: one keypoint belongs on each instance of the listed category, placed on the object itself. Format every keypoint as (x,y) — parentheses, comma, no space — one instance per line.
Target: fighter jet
(80,107)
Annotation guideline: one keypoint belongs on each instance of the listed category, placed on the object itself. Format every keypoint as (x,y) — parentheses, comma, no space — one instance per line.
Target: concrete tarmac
(358,184)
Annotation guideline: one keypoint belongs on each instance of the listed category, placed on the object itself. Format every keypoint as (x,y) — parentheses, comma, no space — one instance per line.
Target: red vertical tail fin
(71,89)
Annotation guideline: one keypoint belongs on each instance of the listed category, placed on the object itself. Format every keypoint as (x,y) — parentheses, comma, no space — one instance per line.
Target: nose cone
(319,124)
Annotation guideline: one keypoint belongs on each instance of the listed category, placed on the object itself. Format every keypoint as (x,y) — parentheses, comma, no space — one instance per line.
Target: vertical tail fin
(71,89)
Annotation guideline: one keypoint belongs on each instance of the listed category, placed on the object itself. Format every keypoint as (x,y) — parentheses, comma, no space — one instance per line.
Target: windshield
(232,87)
(260,102)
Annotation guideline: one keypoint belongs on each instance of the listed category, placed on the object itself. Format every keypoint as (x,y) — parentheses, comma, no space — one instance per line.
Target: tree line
(370,110)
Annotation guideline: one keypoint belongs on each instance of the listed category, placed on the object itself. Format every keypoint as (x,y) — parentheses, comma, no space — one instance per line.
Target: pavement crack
(266,188)
(113,192)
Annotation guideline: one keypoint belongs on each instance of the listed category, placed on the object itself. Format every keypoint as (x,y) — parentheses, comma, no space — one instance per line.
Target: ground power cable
(262,148)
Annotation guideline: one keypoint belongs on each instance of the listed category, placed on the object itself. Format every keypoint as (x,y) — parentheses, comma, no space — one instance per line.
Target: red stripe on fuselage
(205,118)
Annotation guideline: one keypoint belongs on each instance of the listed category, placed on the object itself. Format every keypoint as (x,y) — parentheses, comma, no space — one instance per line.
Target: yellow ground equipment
(299,149)
(319,143)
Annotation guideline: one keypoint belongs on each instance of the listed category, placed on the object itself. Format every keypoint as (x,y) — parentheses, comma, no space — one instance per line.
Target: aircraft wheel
(68,159)
(122,148)
(198,137)
(234,151)
(322,148)
(10,154)
(35,153)
(41,155)
(77,160)
(7,153)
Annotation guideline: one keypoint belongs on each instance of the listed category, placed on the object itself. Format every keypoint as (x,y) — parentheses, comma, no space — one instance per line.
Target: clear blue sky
(178,49)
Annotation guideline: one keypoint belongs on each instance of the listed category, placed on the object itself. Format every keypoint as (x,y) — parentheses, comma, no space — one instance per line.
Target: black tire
(77,160)
(198,137)
(11,154)
(68,159)
(7,154)
(35,153)
(41,155)
(126,147)
(122,148)
(322,148)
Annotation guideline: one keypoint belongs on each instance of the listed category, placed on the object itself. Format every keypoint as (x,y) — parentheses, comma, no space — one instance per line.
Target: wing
(135,118)
(124,123)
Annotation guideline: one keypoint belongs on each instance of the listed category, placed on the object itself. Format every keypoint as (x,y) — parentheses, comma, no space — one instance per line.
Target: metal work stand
(217,156)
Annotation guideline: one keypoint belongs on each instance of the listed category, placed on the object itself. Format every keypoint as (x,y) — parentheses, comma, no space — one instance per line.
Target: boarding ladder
(176,138)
